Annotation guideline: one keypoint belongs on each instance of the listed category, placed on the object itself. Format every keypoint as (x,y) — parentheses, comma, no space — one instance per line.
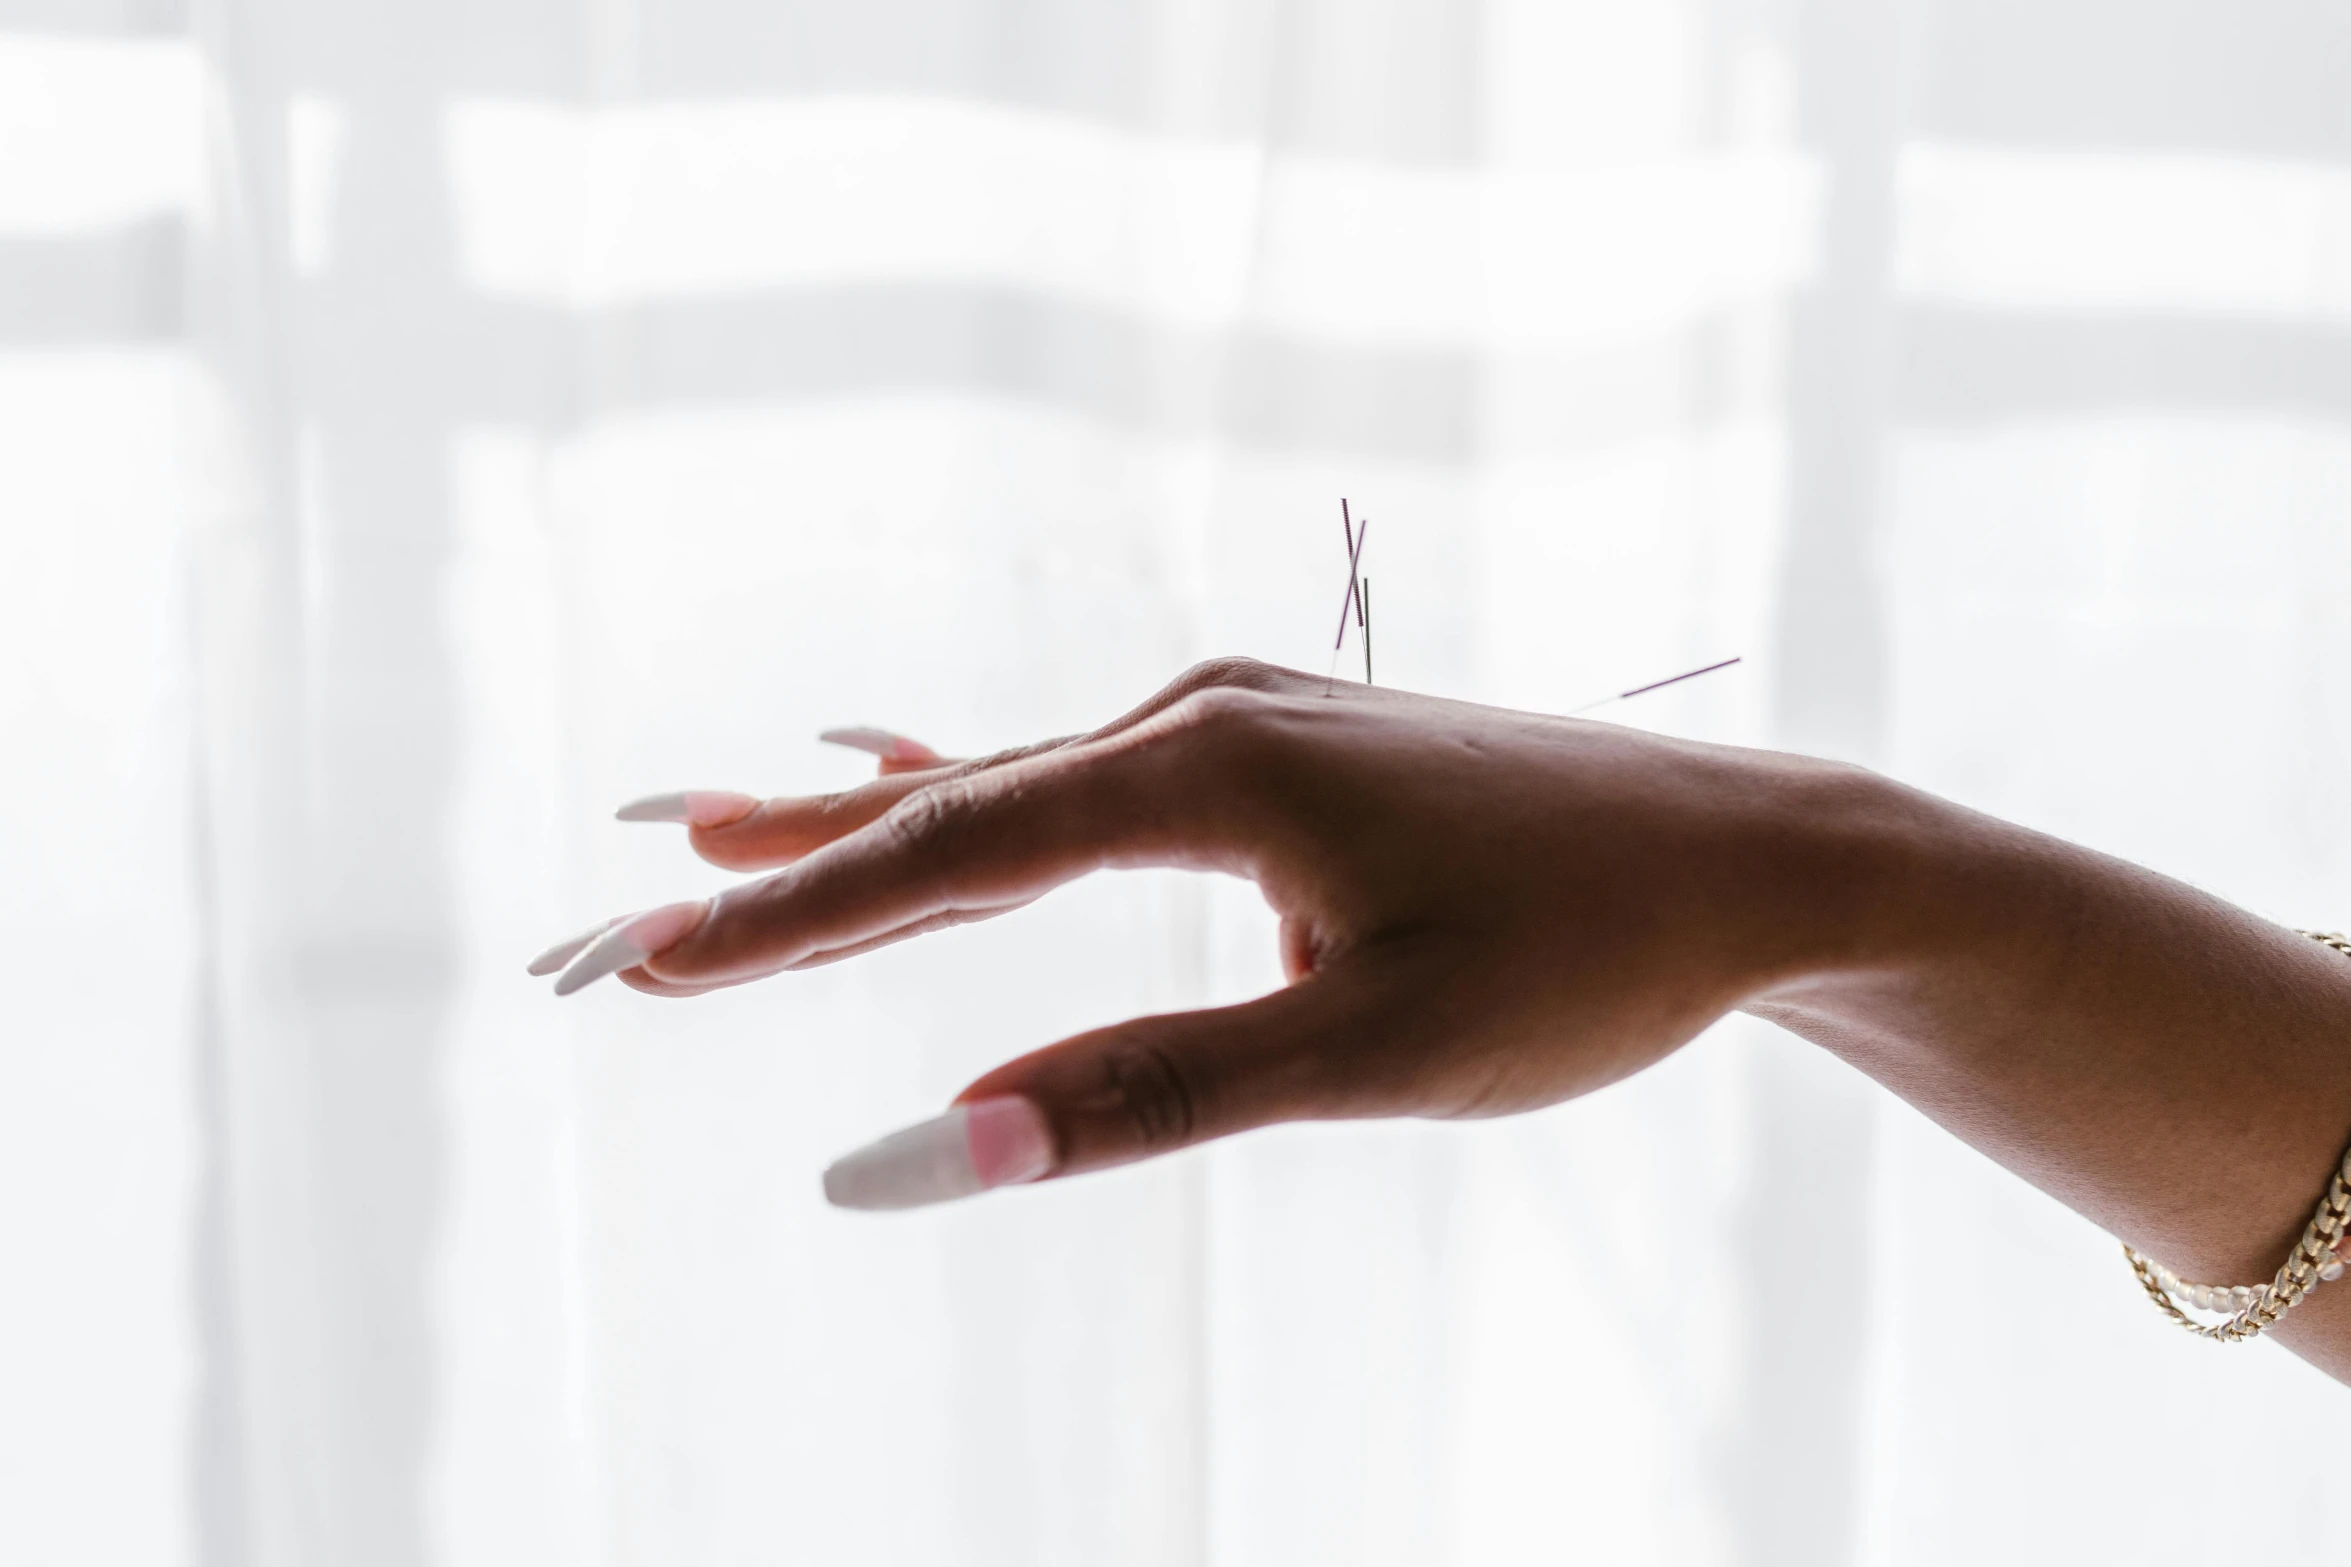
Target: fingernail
(695,807)
(881,743)
(628,944)
(565,950)
(996,1142)
(1010,1142)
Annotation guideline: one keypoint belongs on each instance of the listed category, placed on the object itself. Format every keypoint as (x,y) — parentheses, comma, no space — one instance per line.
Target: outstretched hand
(1481,911)
(1485,911)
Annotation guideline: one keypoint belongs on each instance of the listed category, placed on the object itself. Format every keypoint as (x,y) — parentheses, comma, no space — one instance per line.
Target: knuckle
(930,820)
(1220,716)
(1220,707)
(1159,1098)
(842,811)
(1230,672)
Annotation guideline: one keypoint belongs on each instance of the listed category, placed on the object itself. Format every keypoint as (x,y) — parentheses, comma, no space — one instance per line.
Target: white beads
(2229,1299)
(2237,1299)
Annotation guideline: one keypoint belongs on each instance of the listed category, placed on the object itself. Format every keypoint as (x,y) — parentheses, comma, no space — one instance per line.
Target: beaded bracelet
(2319,1257)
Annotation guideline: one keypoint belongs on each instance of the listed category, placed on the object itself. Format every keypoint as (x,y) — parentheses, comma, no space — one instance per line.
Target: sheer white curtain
(423,427)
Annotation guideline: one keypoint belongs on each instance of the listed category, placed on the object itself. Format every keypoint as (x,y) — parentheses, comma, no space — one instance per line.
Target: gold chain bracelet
(2254,1309)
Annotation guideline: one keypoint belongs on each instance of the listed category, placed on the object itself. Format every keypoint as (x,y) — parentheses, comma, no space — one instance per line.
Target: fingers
(736,831)
(953,850)
(745,834)
(741,833)
(626,943)
(778,832)
(1147,1087)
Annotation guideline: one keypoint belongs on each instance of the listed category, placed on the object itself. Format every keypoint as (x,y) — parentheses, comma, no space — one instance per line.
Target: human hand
(1481,911)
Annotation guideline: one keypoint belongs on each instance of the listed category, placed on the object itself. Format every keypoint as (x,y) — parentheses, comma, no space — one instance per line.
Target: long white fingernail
(630,943)
(996,1142)
(881,743)
(565,950)
(697,807)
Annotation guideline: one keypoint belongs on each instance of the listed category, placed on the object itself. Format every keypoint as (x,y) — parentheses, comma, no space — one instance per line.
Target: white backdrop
(423,427)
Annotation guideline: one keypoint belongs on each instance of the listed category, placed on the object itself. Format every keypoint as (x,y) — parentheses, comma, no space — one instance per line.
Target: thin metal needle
(1655,685)
(1363,611)
(1347,527)
(1354,556)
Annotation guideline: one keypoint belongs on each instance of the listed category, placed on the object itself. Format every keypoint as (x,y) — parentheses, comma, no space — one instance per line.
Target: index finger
(965,846)
(779,831)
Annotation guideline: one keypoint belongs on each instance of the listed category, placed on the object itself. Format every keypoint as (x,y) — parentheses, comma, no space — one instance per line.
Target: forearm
(2171,1067)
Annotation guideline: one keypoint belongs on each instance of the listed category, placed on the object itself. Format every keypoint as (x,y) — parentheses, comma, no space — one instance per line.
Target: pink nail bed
(1009,1141)
(717,807)
(630,943)
(995,1142)
(657,930)
(696,807)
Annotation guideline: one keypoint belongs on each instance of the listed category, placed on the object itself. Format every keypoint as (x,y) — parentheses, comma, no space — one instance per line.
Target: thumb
(1139,1089)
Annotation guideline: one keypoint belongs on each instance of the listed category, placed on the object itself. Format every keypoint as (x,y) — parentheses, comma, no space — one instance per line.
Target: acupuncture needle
(1654,685)
(1356,534)
(1349,602)
(1363,619)
(1358,600)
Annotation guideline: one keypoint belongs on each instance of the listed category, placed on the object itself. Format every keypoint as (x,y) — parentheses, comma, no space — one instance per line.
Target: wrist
(1866,880)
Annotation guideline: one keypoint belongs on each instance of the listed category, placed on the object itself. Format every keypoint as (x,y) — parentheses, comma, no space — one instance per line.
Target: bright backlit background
(424,426)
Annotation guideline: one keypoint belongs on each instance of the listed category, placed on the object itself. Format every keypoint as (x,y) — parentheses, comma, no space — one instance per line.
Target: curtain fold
(423,428)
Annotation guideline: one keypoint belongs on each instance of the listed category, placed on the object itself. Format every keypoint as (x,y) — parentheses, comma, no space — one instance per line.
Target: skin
(1484,912)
